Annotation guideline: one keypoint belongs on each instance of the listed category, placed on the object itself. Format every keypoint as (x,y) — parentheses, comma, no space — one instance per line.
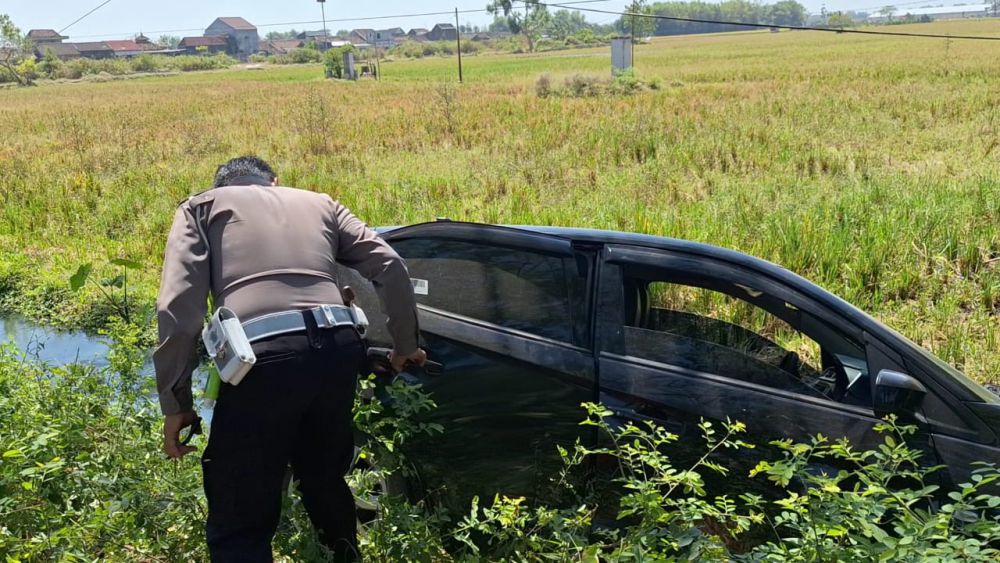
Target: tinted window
(513,288)
(730,333)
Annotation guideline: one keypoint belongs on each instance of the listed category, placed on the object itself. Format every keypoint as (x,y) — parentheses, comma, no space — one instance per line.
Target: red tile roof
(204,42)
(130,45)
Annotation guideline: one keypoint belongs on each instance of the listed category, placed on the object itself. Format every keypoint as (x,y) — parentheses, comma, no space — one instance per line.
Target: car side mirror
(898,393)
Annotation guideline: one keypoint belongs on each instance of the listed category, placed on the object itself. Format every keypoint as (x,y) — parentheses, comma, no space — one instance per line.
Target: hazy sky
(123,18)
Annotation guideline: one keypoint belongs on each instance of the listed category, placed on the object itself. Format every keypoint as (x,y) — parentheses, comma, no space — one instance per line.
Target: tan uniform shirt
(269,249)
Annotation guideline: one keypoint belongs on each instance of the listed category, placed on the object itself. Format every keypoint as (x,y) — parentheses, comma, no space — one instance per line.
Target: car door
(507,312)
(684,336)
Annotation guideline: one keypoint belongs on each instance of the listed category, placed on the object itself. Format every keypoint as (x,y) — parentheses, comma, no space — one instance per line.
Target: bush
(582,85)
(543,86)
(145,63)
(305,56)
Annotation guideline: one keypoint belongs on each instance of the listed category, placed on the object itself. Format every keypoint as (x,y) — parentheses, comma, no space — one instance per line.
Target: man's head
(244,170)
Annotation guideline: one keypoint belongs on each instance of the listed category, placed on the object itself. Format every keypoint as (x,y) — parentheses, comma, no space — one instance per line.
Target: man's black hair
(243,167)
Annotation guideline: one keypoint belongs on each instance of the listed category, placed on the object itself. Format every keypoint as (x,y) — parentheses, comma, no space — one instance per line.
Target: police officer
(260,249)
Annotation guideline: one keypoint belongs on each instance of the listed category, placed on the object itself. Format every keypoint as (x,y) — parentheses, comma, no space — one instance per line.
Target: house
(65,51)
(242,35)
(132,47)
(211,45)
(938,13)
(281,46)
(482,37)
(397,32)
(95,50)
(443,32)
(416,32)
(385,39)
(366,35)
(45,36)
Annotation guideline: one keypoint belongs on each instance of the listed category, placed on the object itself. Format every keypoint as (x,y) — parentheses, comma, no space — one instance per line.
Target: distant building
(384,39)
(443,32)
(938,13)
(211,45)
(65,51)
(415,32)
(132,47)
(242,35)
(95,50)
(281,46)
(481,37)
(367,35)
(45,36)
(397,32)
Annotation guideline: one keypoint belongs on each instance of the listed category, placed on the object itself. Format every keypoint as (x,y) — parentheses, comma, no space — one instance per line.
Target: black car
(529,322)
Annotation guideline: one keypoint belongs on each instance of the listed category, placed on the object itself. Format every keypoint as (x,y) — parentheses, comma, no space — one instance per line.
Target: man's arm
(180,312)
(362,249)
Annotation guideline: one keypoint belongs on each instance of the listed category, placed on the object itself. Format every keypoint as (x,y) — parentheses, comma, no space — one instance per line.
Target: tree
(15,50)
(50,64)
(786,12)
(275,35)
(638,26)
(171,41)
(887,12)
(839,20)
(532,23)
(565,23)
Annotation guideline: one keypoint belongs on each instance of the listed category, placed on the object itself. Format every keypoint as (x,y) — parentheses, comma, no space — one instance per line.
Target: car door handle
(378,361)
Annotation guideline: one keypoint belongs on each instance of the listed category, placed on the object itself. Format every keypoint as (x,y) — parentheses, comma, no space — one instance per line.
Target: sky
(125,18)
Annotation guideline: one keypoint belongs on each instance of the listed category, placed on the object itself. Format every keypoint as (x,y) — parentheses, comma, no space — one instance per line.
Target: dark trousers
(293,407)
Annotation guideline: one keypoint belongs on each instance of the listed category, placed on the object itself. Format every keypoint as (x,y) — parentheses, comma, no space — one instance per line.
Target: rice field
(867,164)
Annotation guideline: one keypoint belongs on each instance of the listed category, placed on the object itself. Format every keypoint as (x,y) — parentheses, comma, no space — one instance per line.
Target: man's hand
(172,426)
(399,362)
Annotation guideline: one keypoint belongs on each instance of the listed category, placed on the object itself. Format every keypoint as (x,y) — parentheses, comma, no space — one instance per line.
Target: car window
(728,331)
(514,288)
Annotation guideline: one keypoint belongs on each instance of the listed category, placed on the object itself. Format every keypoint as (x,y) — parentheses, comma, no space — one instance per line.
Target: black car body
(530,322)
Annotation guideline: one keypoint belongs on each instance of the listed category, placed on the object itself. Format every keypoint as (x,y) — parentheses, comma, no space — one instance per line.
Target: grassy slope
(868,164)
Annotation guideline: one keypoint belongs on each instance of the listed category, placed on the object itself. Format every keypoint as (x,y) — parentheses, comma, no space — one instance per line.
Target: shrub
(582,85)
(305,56)
(543,86)
(145,63)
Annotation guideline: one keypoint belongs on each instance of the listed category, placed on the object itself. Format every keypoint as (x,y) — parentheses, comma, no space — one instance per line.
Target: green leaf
(80,277)
(12,453)
(116,281)
(128,264)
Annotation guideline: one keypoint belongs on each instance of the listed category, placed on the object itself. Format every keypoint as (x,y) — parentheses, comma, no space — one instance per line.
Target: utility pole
(322,7)
(458,37)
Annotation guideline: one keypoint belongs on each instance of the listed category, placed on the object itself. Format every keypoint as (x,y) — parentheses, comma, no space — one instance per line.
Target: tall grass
(867,164)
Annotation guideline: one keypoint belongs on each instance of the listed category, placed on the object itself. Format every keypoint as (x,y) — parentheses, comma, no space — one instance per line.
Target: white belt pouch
(227,345)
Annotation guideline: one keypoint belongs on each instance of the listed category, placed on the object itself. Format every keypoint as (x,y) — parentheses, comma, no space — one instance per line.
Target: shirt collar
(249,181)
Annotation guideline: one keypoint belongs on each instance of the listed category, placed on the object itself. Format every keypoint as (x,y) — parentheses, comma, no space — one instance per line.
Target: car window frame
(616,255)
(566,357)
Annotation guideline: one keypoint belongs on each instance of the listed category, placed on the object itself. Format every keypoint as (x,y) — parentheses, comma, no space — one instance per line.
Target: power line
(81,18)
(774,26)
(341,20)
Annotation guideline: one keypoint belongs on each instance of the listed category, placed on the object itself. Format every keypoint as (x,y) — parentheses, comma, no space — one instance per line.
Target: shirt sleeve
(180,312)
(361,249)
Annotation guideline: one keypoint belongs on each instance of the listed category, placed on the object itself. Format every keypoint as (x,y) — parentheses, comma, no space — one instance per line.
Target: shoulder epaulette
(197,199)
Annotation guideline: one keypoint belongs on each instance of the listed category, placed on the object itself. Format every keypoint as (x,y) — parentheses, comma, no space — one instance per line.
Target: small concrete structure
(350,73)
(621,55)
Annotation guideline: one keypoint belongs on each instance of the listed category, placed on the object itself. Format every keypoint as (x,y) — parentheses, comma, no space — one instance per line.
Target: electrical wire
(776,26)
(328,21)
(84,16)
